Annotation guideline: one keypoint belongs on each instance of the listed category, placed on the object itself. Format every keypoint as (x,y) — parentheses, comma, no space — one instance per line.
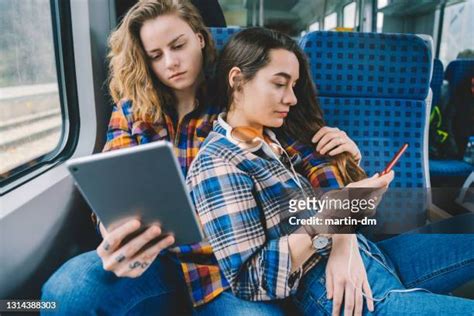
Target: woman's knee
(75,281)
(82,284)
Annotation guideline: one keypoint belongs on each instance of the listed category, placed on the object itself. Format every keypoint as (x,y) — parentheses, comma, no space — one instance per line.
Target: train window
(458,23)
(380,4)
(289,16)
(330,21)
(349,15)
(379,22)
(314,27)
(32,115)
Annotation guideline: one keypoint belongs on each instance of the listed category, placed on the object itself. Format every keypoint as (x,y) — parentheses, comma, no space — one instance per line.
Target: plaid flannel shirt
(237,194)
(125,130)
(201,272)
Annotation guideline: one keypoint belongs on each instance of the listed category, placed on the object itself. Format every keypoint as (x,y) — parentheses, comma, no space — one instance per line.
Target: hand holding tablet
(142,182)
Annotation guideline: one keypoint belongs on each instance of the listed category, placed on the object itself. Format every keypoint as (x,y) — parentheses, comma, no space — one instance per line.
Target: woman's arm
(339,283)
(257,268)
(301,250)
(316,169)
(319,172)
(119,131)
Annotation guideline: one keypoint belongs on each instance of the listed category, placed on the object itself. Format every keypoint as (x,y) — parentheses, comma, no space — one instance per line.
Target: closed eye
(178,46)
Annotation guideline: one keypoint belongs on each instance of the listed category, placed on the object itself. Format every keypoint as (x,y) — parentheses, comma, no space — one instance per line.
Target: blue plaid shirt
(236,194)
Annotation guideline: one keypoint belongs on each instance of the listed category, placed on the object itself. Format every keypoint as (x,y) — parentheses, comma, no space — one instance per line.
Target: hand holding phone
(394,160)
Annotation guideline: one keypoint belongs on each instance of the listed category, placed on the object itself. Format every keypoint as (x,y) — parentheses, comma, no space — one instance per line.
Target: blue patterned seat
(437,81)
(457,71)
(459,74)
(450,168)
(221,35)
(374,86)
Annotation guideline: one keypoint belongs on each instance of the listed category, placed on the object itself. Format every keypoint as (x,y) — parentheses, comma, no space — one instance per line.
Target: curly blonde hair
(130,76)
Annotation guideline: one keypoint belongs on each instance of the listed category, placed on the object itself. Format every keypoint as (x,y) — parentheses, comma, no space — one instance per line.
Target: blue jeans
(437,263)
(82,287)
(227,304)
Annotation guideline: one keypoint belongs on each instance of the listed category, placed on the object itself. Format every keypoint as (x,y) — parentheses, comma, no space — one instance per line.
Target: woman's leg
(391,297)
(82,287)
(439,263)
(229,305)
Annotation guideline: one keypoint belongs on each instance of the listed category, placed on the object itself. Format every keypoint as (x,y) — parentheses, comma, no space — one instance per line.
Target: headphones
(247,138)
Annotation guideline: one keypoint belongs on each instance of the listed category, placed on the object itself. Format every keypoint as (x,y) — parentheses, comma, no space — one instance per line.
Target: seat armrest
(436,214)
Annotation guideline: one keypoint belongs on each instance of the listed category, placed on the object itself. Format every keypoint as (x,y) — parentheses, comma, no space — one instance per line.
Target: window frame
(67,88)
(439,31)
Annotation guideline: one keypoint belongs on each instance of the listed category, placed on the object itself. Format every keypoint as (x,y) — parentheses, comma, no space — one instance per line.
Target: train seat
(459,74)
(437,81)
(375,86)
(222,34)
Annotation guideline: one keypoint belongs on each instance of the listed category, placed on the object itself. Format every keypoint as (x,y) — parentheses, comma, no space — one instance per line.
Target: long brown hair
(130,76)
(249,50)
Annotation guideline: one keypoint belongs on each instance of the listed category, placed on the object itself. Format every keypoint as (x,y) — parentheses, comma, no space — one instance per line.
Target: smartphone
(394,159)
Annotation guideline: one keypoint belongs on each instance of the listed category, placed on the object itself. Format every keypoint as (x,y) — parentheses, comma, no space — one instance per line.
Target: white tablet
(143,182)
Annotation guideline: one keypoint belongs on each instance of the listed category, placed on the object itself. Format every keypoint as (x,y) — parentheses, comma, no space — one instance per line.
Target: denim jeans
(82,287)
(227,304)
(436,263)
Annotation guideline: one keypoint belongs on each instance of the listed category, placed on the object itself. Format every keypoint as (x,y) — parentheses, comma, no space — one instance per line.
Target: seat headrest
(222,34)
(437,78)
(458,70)
(377,65)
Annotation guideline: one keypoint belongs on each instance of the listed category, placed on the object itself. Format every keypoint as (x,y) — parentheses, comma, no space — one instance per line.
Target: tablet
(143,182)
